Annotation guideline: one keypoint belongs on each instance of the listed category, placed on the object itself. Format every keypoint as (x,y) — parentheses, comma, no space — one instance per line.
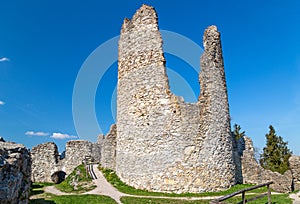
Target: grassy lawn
(73,199)
(112,178)
(276,199)
(79,177)
(132,200)
(40,197)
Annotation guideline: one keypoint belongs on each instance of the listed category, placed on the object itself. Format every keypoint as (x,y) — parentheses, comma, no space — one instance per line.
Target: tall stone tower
(163,143)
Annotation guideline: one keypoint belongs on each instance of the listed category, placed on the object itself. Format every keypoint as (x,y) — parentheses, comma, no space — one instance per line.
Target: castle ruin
(163,143)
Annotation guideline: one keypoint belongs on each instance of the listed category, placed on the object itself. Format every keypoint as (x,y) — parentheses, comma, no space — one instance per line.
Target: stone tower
(163,143)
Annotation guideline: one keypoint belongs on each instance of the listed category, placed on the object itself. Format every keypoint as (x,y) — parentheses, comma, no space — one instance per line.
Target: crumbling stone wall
(76,151)
(163,143)
(108,148)
(253,173)
(45,161)
(294,162)
(15,171)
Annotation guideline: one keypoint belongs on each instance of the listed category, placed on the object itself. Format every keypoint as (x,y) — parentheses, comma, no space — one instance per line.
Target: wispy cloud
(4,59)
(32,133)
(57,135)
(2,103)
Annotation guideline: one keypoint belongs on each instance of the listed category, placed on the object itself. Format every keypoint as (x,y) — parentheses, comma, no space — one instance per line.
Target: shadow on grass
(36,192)
(41,201)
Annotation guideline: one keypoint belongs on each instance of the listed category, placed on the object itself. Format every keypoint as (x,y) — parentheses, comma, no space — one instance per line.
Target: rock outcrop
(15,171)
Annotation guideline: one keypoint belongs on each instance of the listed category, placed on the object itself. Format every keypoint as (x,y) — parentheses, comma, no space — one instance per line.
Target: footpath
(105,188)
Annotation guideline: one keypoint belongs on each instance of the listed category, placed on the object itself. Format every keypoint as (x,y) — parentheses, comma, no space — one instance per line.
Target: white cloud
(57,135)
(2,103)
(4,59)
(31,133)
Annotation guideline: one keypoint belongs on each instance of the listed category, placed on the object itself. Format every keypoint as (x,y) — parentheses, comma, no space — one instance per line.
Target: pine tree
(275,154)
(237,132)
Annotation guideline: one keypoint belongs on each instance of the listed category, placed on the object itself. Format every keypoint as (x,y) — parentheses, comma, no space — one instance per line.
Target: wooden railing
(243,191)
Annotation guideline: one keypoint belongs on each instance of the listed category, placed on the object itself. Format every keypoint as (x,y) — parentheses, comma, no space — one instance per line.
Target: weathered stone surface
(294,162)
(163,143)
(45,161)
(15,171)
(77,151)
(253,173)
(108,148)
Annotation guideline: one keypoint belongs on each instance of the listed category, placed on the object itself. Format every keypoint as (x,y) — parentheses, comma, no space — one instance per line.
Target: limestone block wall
(108,148)
(76,151)
(294,162)
(163,143)
(15,171)
(253,173)
(45,161)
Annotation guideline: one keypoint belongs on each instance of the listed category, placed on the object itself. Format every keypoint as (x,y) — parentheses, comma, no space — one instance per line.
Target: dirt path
(295,197)
(105,188)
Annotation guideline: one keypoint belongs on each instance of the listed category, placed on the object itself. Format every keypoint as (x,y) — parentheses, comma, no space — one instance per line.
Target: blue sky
(43,45)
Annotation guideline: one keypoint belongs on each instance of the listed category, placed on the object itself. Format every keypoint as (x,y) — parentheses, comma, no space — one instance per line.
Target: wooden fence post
(269,194)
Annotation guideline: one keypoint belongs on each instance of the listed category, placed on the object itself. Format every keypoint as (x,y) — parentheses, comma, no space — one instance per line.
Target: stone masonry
(46,160)
(163,143)
(76,151)
(253,173)
(15,171)
(108,148)
(294,162)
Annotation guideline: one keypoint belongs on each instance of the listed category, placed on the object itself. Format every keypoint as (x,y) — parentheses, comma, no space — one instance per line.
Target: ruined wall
(253,173)
(45,161)
(76,151)
(15,172)
(108,148)
(294,162)
(163,143)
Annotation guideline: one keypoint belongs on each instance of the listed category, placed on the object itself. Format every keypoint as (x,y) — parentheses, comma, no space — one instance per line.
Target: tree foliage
(275,154)
(237,132)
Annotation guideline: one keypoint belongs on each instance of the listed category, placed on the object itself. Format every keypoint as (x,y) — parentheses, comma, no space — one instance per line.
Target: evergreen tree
(237,132)
(275,154)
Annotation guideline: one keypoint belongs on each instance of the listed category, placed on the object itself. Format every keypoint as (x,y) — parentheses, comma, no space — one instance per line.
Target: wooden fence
(243,191)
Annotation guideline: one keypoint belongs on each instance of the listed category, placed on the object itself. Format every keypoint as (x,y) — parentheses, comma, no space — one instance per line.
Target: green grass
(276,199)
(133,200)
(112,178)
(83,179)
(73,199)
(40,197)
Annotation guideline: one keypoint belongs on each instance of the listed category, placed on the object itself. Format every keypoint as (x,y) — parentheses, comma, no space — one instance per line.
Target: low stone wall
(15,171)
(45,161)
(295,168)
(253,173)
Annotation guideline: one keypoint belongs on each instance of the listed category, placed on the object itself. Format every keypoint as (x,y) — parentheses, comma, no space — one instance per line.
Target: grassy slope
(83,178)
